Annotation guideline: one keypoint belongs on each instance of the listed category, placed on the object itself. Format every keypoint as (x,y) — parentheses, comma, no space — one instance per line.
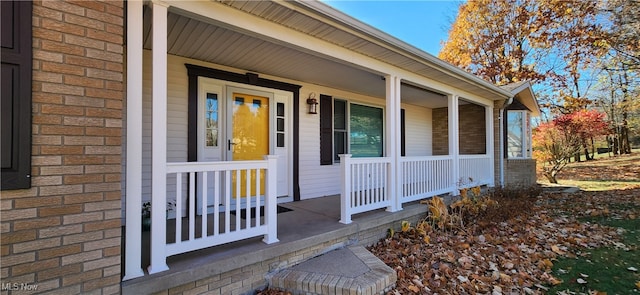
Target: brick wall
(520,172)
(496,141)
(472,130)
(440,121)
(63,234)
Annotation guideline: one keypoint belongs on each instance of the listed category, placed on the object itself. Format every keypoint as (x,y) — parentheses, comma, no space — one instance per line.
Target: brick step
(352,270)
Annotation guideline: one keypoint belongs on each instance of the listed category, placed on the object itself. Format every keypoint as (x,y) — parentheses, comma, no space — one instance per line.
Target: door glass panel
(211,120)
(280,122)
(250,136)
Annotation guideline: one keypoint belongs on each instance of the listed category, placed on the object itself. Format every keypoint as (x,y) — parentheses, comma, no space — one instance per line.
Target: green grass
(599,185)
(607,268)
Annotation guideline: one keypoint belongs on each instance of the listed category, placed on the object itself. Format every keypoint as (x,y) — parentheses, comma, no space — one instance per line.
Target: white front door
(237,123)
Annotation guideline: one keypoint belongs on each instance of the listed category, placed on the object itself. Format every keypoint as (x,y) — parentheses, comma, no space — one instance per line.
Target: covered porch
(444,153)
(309,229)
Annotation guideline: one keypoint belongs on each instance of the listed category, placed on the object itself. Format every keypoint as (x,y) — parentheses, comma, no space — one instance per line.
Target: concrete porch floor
(311,222)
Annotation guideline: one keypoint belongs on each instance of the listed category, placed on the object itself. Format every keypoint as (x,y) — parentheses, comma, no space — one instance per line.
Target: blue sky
(421,23)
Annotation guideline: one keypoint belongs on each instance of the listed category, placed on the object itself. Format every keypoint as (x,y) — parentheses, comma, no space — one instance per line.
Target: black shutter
(326,130)
(16,94)
(402,134)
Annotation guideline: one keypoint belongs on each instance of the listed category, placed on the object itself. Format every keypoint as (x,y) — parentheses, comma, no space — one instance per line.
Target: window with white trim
(518,134)
(349,128)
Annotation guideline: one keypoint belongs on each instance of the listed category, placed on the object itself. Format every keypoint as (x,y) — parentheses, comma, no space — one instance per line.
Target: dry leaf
(557,250)
(581,281)
(405,226)
(413,289)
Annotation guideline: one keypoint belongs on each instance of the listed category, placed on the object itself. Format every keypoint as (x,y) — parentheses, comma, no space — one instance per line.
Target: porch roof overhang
(523,92)
(202,35)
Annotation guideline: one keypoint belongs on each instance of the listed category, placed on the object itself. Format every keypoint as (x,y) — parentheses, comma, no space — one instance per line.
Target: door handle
(230,144)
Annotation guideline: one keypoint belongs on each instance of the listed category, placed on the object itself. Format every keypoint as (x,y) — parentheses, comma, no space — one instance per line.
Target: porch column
(133,189)
(454,149)
(159,139)
(490,148)
(393,141)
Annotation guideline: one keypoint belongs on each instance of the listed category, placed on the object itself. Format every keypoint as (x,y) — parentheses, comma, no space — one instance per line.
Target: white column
(345,190)
(393,140)
(490,147)
(133,189)
(454,148)
(159,139)
(271,200)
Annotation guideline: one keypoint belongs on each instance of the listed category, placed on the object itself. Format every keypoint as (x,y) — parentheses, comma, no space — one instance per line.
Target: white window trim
(526,135)
(348,125)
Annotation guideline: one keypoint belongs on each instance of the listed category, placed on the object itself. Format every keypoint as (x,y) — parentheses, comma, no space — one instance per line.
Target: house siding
(64,233)
(418,130)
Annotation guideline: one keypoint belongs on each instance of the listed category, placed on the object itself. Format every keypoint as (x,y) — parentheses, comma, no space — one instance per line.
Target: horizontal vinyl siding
(177,104)
(418,136)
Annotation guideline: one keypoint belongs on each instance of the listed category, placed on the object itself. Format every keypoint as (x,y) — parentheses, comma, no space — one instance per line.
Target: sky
(421,23)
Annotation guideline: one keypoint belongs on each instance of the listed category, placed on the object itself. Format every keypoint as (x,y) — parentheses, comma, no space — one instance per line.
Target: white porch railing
(366,182)
(236,190)
(475,170)
(424,177)
(366,185)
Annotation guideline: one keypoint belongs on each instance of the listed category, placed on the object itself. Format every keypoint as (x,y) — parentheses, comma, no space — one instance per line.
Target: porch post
(271,200)
(393,141)
(133,189)
(490,148)
(159,139)
(454,149)
(345,190)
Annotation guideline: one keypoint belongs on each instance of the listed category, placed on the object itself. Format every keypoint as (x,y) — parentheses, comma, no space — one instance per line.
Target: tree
(587,125)
(622,37)
(553,147)
(555,142)
(543,41)
(618,92)
(495,40)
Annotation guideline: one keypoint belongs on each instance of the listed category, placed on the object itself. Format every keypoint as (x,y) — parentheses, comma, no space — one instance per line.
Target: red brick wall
(64,233)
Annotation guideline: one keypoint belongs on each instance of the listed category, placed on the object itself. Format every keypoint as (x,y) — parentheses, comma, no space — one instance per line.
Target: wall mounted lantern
(313,103)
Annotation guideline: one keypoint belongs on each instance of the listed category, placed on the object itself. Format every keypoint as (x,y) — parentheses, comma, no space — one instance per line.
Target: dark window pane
(280,109)
(280,123)
(340,144)
(340,114)
(280,139)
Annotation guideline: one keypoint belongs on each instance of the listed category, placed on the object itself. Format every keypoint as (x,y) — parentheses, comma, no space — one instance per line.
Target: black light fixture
(313,103)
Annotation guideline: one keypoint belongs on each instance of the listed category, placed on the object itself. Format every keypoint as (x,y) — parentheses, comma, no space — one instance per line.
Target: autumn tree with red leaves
(556,141)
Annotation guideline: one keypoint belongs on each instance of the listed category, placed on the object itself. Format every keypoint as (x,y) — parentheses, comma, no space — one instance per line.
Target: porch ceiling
(219,43)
